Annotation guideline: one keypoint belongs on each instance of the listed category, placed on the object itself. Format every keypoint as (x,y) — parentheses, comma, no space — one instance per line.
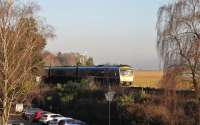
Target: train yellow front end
(126,76)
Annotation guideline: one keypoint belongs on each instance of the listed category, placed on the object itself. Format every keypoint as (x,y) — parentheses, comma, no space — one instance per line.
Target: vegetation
(66,59)
(22,38)
(178,42)
(87,102)
(125,100)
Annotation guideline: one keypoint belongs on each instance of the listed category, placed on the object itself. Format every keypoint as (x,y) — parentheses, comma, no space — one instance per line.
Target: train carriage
(122,75)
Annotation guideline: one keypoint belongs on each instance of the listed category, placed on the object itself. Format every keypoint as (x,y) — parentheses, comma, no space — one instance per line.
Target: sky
(110,31)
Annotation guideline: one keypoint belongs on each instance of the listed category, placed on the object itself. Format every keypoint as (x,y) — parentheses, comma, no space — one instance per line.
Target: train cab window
(126,72)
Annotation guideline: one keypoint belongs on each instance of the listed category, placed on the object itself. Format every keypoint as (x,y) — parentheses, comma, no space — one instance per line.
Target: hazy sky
(115,31)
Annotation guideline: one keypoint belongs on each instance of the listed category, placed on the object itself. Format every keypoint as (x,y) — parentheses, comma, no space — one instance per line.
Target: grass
(145,78)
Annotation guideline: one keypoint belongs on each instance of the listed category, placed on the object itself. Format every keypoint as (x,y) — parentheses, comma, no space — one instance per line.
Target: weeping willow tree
(178,40)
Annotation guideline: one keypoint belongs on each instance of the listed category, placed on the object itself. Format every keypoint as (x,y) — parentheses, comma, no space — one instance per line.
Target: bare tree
(22,38)
(178,43)
(50,59)
(90,61)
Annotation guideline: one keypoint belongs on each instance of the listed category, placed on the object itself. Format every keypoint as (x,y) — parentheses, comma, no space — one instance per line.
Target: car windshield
(54,120)
(44,116)
(53,116)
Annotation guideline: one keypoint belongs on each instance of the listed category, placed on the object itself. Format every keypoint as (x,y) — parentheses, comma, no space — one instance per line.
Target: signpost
(109,97)
(19,107)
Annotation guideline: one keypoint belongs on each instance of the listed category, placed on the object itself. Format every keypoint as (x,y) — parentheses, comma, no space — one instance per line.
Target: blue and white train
(122,75)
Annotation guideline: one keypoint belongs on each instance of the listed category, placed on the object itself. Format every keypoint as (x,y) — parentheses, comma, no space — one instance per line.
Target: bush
(146,114)
(140,96)
(125,100)
(191,108)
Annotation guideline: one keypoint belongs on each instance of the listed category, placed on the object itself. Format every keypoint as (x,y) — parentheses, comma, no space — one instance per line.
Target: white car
(46,118)
(56,120)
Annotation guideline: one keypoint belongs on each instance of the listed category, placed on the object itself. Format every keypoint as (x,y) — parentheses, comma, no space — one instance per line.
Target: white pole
(109,101)
(109,112)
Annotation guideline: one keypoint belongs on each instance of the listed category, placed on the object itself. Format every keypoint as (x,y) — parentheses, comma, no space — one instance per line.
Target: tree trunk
(5,113)
(197,117)
(197,96)
(6,105)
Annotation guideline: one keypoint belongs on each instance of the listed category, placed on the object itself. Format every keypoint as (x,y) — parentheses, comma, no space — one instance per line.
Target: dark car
(29,113)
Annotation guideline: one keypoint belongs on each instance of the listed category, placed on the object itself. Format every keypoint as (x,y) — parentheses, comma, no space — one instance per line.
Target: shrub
(140,96)
(124,100)
(146,114)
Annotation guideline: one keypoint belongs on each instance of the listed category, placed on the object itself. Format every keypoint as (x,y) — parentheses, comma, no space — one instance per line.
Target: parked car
(56,120)
(29,113)
(46,118)
(71,122)
(38,115)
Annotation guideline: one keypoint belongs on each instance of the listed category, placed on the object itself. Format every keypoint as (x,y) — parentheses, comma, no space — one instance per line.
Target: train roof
(90,67)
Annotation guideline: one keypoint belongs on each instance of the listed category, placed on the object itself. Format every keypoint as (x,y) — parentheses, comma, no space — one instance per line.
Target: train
(122,75)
